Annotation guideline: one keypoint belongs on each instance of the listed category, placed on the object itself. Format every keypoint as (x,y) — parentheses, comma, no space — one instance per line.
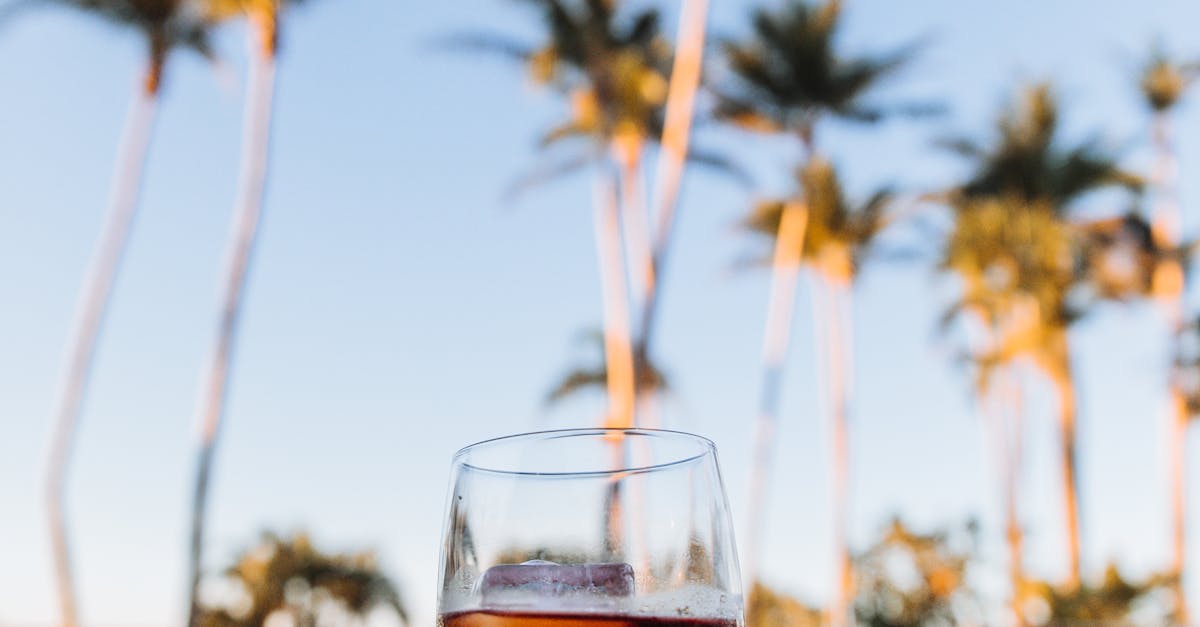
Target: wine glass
(589,528)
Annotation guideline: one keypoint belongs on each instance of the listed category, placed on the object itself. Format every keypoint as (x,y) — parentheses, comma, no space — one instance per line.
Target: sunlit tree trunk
(618,349)
(247,212)
(638,252)
(785,268)
(89,315)
(1058,369)
(1177,458)
(1010,434)
(1169,286)
(837,310)
(668,177)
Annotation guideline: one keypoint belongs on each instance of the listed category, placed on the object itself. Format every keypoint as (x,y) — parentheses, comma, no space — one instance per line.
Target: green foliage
(291,576)
(909,579)
(1114,602)
(788,73)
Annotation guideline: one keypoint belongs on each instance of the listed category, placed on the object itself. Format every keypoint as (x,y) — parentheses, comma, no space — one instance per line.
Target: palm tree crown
(290,575)
(839,233)
(650,379)
(1164,81)
(613,71)
(166,25)
(788,73)
(1028,163)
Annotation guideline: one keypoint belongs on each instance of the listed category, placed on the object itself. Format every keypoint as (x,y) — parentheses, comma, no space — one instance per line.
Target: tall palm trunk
(1059,371)
(1010,439)
(1177,458)
(618,351)
(1169,289)
(837,310)
(210,407)
(681,98)
(785,269)
(89,315)
(638,250)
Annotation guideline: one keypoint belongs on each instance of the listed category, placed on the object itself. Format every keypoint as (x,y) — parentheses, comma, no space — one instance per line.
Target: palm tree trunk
(681,98)
(785,270)
(618,351)
(1060,376)
(837,311)
(89,315)
(638,249)
(1169,288)
(1011,439)
(1177,443)
(256,131)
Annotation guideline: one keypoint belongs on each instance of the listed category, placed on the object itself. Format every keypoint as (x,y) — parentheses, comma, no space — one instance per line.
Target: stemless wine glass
(589,528)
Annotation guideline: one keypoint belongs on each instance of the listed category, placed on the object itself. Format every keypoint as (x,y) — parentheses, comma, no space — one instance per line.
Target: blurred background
(417,285)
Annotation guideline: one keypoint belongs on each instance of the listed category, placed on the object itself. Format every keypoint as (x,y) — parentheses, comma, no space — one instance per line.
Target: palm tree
(1027,185)
(910,579)
(613,74)
(166,25)
(263,47)
(1163,83)
(581,378)
(1016,261)
(837,239)
(787,78)
(290,577)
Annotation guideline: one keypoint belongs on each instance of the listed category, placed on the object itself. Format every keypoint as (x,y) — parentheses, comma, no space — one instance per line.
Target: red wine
(491,618)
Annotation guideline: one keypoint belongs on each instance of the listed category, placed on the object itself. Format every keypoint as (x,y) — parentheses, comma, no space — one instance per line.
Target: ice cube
(540,580)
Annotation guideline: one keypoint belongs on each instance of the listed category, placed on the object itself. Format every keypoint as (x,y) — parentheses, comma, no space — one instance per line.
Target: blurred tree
(769,608)
(651,380)
(1017,254)
(263,47)
(291,577)
(1016,261)
(909,579)
(837,239)
(1115,602)
(613,73)
(788,77)
(165,25)
(1163,84)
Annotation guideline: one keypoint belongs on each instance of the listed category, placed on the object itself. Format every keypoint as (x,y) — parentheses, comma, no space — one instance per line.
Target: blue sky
(399,309)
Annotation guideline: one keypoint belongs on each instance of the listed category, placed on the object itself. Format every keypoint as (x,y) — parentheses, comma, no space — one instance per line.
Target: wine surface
(489,618)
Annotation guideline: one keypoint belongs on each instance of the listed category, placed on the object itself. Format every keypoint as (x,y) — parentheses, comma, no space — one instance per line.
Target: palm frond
(789,72)
(649,378)
(1027,160)
(576,381)
(490,43)
(720,164)
(547,172)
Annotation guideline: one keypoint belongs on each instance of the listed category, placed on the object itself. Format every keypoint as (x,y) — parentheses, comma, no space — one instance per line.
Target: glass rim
(707,446)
